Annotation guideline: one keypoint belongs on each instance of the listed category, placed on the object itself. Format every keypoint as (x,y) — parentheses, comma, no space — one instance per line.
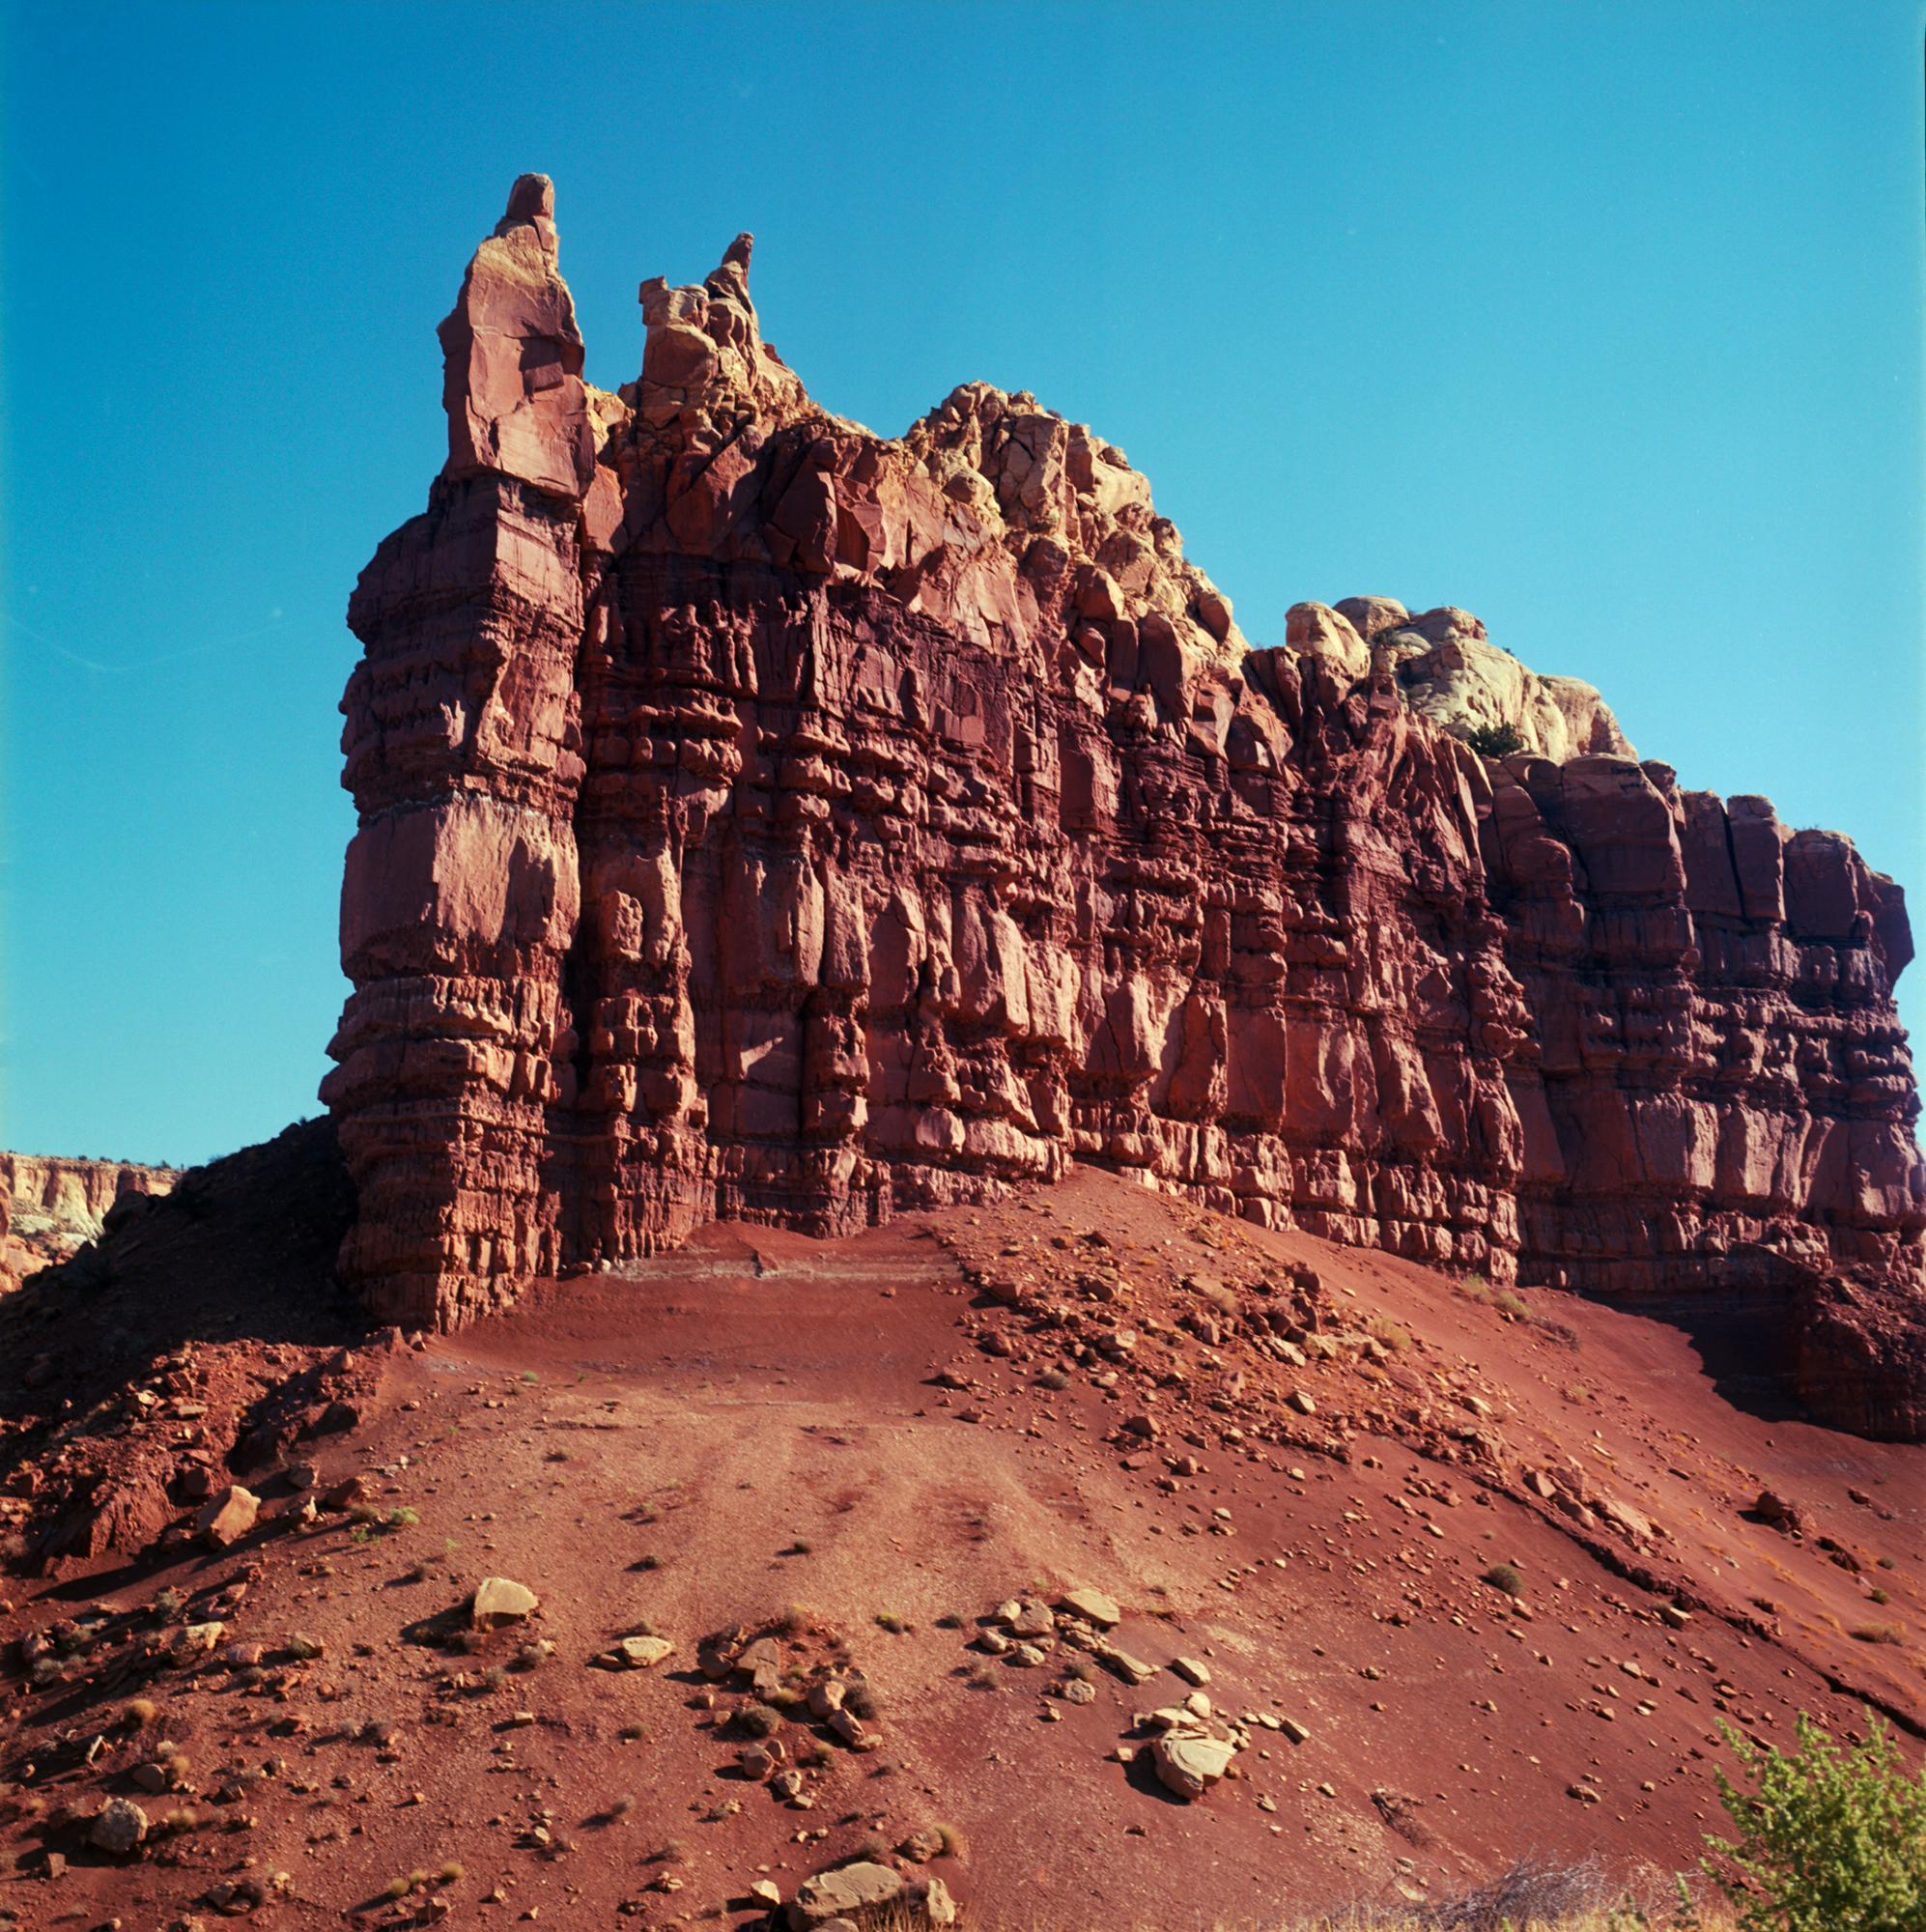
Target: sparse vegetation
(897,1625)
(138,1714)
(1828,1841)
(1507,1302)
(1879,1632)
(759,1721)
(1388,1334)
(621,1806)
(1495,741)
(1505,1576)
(451,1872)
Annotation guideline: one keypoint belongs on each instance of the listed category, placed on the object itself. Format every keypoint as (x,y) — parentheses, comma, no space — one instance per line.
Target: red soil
(753,1424)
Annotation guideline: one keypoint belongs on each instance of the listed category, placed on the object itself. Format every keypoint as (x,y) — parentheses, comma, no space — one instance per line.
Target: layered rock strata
(53,1205)
(762,818)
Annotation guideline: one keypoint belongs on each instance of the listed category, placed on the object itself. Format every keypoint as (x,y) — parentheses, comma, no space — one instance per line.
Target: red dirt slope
(864,1447)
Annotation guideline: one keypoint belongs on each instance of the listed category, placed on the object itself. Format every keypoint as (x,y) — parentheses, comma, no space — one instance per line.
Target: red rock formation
(760,818)
(53,1205)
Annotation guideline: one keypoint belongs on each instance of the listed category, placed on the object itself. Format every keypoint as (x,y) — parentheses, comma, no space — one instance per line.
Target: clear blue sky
(1602,321)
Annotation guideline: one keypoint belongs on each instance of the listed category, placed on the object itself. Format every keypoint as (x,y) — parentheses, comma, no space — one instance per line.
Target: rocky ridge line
(763,819)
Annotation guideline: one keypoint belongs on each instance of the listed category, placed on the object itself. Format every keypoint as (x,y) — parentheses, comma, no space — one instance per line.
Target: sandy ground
(753,1432)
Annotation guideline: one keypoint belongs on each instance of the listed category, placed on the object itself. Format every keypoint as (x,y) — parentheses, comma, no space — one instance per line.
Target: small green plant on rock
(1828,1840)
(1495,741)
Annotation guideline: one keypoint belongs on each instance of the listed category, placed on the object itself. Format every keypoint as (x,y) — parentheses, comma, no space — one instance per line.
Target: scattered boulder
(930,1892)
(119,1828)
(1132,1669)
(1192,1670)
(1190,1761)
(500,1600)
(227,1516)
(843,1893)
(763,1661)
(636,1653)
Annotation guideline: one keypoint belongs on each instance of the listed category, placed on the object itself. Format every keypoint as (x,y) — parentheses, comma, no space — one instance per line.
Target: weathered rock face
(51,1206)
(769,820)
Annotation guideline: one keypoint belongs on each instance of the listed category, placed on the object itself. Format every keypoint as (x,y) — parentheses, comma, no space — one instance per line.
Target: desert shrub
(1475,1288)
(1879,1632)
(1505,1576)
(1507,1304)
(759,1721)
(1495,741)
(1532,1891)
(139,1714)
(1828,1840)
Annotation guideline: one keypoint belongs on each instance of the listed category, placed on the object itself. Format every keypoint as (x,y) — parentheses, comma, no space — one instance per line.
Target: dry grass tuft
(1879,1632)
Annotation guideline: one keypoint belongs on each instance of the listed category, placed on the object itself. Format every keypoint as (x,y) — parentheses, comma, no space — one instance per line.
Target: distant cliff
(761,818)
(50,1205)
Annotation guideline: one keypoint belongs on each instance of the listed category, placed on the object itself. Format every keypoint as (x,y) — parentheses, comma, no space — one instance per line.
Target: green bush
(1828,1840)
(1495,741)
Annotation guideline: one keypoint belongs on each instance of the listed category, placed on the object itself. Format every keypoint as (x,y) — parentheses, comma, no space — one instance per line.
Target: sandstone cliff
(51,1206)
(762,818)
